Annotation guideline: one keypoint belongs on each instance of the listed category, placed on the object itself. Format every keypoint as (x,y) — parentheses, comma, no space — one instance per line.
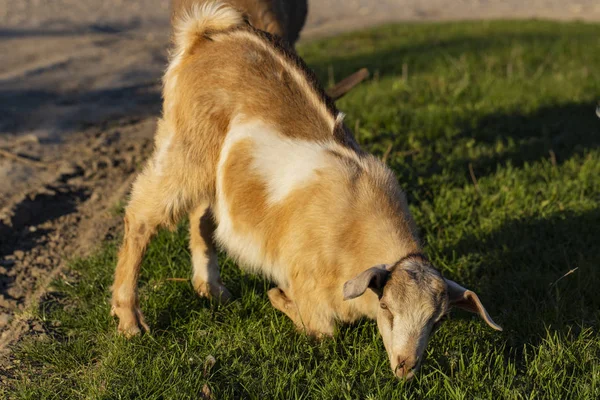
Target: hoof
(131,321)
(213,291)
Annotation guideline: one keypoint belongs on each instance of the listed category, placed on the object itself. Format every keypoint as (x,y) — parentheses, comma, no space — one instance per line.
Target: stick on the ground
(346,84)
(567,274)
(22,159)
(474,179)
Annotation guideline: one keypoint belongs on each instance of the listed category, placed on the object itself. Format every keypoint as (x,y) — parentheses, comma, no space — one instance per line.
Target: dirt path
(79,93)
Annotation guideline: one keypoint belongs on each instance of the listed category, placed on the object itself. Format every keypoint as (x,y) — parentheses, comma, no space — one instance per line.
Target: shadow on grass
(428,51)
(183,306)
(523,275)
(556,133)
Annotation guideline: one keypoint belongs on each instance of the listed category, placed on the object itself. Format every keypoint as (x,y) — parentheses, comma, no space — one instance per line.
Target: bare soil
(79,96)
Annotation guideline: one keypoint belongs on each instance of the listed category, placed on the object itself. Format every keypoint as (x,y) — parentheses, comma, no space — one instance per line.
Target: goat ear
(374,278)
(468,300)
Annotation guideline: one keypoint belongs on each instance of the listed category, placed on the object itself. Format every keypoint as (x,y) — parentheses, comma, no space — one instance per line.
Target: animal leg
(206,278)
(148,208)
(311,323)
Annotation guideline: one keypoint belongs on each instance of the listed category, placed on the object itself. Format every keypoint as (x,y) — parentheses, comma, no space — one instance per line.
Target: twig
(386,154)
(404,72)
(567,274)
(474,178)
(22,159)
(177,279)
(346,84)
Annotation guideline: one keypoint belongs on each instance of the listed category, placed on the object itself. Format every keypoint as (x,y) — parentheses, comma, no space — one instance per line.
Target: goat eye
(383,305)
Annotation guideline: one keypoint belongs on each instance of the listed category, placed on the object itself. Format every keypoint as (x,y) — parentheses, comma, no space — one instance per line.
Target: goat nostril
(402,369)
(406,367)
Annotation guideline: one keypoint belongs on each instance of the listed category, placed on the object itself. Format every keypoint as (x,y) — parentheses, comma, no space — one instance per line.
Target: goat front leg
(305,320)
(206,277)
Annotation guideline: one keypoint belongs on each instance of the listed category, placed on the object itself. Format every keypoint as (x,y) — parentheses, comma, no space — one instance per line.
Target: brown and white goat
(251,148)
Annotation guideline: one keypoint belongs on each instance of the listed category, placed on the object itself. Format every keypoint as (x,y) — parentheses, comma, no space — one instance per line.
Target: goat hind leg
(125,303)
(144,213)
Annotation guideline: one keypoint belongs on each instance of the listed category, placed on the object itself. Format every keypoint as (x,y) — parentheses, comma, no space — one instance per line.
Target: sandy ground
(79,94)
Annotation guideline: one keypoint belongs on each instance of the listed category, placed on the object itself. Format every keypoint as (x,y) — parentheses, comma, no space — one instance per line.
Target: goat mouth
(408,376)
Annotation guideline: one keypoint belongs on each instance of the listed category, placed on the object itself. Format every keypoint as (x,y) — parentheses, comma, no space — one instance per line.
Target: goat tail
(200,20)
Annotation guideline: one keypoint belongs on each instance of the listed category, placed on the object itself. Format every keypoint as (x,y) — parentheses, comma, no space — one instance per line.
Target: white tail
(196,21)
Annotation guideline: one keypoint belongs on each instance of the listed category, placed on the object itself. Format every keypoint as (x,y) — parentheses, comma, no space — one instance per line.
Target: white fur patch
(285,164)
(246,249)
(204,268)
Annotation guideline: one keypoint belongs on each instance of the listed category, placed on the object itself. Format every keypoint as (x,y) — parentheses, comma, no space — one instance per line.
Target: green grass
(513,100)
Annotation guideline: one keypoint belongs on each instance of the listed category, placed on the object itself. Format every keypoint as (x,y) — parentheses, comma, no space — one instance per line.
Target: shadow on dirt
(75,109)
(44,206)
(112,28)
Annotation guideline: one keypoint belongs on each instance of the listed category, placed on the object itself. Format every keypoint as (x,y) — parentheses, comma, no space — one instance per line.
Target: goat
(259,157)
